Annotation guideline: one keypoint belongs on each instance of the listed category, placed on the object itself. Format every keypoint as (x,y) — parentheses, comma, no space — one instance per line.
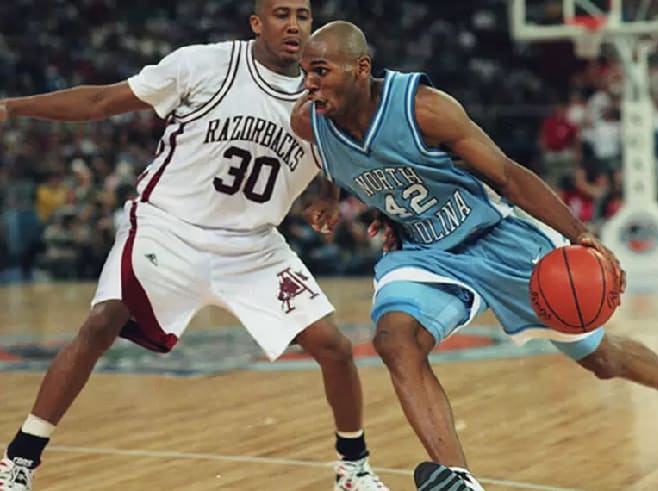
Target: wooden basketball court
(528,423)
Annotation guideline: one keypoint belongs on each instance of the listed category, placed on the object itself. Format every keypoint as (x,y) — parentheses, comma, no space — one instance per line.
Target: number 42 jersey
(228,158)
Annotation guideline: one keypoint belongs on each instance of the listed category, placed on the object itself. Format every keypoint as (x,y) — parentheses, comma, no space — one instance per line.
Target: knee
(397,344)
(385,345)
(329,347)
(603,362)
(101,328)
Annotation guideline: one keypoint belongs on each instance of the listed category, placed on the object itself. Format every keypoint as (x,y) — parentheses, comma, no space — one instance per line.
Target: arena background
(61,185)
(528,418)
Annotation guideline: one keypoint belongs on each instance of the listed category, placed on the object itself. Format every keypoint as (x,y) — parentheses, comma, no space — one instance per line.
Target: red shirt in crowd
(558,133)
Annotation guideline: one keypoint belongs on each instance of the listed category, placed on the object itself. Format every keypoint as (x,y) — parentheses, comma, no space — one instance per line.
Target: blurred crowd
(62,186)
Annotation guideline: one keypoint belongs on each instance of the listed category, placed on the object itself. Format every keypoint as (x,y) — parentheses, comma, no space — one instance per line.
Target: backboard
(559,19)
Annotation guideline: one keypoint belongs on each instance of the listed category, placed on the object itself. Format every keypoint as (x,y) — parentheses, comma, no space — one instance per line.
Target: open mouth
(320,107)
(291,45)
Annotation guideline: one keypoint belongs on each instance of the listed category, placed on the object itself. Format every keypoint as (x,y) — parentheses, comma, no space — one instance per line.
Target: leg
(410,318)
(405,314)
(615,356)
(66,377)
(333,351)
(71,368)
(404,345)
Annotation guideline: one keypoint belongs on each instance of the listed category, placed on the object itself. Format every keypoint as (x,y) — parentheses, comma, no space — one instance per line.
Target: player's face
(283,28)
(332,85)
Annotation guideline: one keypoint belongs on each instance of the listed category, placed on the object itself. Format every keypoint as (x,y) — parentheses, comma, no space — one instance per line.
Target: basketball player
(466,245)
(203,229)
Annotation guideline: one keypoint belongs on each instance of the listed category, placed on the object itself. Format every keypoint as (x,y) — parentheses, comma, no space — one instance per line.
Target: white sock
(38,427)
(350,434)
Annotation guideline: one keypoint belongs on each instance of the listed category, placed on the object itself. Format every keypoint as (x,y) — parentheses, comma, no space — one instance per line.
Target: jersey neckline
(375,122)
(272,83)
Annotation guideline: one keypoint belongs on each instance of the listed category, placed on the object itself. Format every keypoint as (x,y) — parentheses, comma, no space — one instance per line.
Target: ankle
(351,445)
(30,441)
(34,425)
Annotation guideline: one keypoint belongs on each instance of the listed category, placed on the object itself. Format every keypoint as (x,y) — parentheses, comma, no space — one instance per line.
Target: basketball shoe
(429,476)
(14,475)
(356,476)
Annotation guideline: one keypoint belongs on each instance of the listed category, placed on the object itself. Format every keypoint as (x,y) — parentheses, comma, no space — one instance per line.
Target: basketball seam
(546,302)
(573,290)
(604,290)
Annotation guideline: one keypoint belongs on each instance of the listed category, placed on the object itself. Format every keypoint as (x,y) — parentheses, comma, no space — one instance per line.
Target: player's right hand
(323,215)
(590,240)
(390,239)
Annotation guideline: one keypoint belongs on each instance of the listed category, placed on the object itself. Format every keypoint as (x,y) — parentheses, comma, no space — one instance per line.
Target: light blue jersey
(435,202)
(464,248)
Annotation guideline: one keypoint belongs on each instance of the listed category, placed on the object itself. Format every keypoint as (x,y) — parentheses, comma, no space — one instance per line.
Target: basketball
(573,289)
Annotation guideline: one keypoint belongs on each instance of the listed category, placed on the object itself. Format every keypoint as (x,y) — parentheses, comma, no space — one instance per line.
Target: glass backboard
(555,19)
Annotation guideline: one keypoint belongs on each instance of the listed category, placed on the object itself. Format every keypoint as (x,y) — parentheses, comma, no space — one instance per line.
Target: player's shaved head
(258,6)
(343,39)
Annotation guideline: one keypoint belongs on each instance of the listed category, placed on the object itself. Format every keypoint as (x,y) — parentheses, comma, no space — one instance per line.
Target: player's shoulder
(211,54)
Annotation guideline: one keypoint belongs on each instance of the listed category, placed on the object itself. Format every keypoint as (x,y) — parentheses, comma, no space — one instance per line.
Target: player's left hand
(589,240)
(323,215)
(390,239)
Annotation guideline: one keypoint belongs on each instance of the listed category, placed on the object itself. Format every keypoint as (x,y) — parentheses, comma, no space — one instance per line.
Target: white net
(588,45)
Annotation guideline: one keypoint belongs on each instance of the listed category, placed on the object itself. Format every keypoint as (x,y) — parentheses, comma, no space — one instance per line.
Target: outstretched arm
(83,103)
(442,120)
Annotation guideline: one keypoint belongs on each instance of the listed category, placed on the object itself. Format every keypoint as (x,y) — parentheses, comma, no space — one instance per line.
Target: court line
(273,461)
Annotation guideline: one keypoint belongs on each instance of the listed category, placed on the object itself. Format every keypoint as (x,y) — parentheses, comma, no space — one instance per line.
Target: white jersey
(228,158)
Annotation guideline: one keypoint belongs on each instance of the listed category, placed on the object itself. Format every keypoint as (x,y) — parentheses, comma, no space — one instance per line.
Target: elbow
(507,183)
(300,121)
(99,107)
(97,112)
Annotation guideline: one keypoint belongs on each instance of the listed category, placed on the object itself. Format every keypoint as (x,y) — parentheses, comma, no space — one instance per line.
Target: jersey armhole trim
(316,135)
(412,89)
(227,83)
(316,158)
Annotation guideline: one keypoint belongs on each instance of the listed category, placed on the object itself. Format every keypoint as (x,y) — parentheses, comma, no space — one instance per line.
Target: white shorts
(166,270)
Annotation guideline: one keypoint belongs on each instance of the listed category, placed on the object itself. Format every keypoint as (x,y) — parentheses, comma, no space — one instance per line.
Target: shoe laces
(360,475)
(468,479)
(15,477)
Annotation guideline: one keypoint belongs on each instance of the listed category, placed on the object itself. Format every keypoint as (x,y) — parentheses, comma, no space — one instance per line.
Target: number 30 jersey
(228,158)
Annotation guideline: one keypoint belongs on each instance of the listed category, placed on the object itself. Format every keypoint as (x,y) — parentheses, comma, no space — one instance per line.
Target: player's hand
(4,112)
(323,215)
(590,240)
(390,239)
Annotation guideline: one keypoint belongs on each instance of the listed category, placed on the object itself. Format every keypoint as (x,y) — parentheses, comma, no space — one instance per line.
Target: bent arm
(442,120)
(82,103)
(300,119)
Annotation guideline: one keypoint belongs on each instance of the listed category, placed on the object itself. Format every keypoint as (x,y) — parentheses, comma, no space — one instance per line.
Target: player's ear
(363,67)
(256,25)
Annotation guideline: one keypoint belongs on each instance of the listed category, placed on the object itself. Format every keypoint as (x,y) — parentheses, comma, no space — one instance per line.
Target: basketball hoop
(588,42)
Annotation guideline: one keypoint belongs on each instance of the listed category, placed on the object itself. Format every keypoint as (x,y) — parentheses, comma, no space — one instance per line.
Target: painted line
(273,461)
(494,352)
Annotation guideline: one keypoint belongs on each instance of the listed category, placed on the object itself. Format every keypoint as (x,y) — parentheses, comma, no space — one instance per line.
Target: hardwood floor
(535,422)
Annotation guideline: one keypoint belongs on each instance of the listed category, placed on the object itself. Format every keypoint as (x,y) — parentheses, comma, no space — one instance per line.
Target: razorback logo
(291,285)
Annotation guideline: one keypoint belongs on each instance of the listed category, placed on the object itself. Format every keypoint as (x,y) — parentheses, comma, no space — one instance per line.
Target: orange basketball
(573,289)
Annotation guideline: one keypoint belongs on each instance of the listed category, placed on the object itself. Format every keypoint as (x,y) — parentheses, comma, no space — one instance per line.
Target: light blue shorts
(446,290)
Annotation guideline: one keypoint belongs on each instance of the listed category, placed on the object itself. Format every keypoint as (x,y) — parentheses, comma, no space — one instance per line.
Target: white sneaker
(14,476)
(356,476)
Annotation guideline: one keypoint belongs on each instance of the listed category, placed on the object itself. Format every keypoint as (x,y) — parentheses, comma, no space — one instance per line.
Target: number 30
(239,173)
